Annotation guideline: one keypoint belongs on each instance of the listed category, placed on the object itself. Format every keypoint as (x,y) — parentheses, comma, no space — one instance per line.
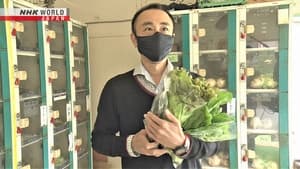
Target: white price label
(201,32)
(78,142)
(53,75)
(250,154)
(21,75)
(250,71)
(77,108)
(250,29)
(19,27)
(24,123)
(44,115)
(250,112)
(74,39)
(51,34)
(56,153)
(55,114)
(76,74)
(69,112)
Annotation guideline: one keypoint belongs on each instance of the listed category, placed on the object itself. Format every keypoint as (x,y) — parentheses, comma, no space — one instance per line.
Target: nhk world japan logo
(29,14)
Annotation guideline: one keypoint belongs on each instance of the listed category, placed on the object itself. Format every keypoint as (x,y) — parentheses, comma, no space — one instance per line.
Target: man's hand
(166,132)
(141,145)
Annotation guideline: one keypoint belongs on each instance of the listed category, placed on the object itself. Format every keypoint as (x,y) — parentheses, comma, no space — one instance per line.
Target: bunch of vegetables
(264,81)
(197,105)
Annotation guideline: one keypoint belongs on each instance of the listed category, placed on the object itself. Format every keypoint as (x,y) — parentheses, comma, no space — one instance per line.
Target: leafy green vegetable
(196,105)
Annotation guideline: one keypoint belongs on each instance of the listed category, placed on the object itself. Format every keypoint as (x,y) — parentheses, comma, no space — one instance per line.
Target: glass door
(266,95)
(82,144)
(28,81)
(81,112)
(60,157)
(215,34)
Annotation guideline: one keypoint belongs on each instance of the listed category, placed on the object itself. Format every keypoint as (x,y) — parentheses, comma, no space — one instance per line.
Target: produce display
(263,81)
(219,82)
(219,159)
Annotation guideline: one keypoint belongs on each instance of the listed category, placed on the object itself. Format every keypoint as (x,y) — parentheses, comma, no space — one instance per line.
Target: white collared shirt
(146,80)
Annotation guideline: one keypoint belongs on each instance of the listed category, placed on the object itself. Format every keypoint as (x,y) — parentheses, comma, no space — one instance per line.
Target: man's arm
(104,139)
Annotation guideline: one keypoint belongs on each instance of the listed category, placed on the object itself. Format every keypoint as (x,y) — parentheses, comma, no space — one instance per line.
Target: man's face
(153,20)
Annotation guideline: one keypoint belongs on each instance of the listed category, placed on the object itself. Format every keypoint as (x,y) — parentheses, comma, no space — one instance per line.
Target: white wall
(111,53)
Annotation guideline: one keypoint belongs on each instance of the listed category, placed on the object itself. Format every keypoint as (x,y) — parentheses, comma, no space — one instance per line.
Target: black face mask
(155,47)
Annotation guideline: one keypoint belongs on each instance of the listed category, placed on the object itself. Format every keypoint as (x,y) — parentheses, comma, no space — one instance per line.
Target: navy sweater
(122,105)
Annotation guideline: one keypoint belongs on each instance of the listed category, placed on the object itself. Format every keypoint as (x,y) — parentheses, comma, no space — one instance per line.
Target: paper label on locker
(201,32)
(74,39)
(250,112)
(78,142)
(250,154)
(69,112)
(76,74)
(56,153)
(250,71)
(53,74)
(44,115)
(88,103)
(250,29)
(283,16)
(71,142)
(51,34)
(24,123)
(19,27)
(55,114)
(231,107)
(21,75)
(77,108)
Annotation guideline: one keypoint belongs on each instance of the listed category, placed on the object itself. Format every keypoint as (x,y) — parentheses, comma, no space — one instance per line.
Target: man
(127,98)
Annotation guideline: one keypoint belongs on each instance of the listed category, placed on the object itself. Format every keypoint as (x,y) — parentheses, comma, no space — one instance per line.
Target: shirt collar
(141,70)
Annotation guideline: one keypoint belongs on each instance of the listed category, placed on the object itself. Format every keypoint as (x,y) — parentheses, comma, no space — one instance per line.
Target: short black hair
(162,7)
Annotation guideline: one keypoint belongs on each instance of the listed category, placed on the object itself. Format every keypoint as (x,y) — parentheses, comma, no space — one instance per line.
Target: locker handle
(74,40)
(19,130)
(50,35)
(76,75)
(78,143)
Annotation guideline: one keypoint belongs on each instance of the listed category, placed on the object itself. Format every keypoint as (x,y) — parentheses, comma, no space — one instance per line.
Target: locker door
(215,34)
(81,104)
(61,149)
(28,83)
(79,58)
(81,144)
(267,86)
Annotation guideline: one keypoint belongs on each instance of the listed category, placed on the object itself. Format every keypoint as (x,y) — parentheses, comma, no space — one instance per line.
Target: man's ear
(133,39)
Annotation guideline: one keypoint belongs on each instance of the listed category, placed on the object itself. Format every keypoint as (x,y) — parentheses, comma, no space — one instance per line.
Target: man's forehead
(154,16)
(152,23)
